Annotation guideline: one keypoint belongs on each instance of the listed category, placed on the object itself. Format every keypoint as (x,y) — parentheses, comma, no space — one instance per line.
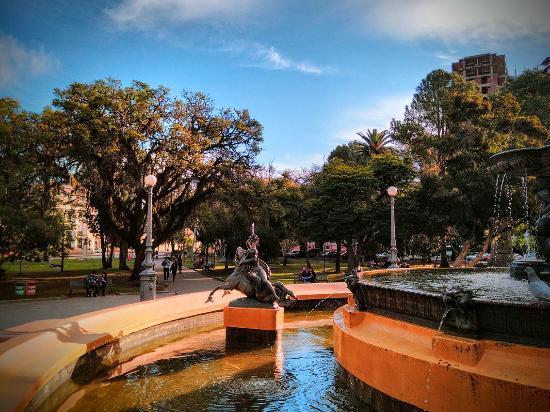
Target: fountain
(531,162)
(451,339)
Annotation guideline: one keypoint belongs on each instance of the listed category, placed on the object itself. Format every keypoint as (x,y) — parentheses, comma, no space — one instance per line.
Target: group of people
(172,264)
(96,284)
(308,274)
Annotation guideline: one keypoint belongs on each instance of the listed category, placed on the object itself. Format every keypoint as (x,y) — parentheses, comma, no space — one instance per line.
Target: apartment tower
(487,70)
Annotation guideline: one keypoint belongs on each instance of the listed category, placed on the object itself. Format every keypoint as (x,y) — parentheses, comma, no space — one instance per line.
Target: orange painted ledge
(312,291)
(253,318)
(30,360)
(437,371)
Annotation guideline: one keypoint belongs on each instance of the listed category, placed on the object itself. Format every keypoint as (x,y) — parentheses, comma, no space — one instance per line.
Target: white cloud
(377,115)
(148,13)
(18,61)
(194,18)
(453,20)
(269,58)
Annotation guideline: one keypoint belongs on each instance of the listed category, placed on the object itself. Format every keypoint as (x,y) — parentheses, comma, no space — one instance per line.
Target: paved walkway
(13,313)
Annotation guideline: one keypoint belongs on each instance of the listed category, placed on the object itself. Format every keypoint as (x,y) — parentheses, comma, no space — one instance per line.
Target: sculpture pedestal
(250,324)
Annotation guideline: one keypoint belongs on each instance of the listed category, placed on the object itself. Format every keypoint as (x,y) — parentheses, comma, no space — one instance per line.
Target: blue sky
(313,72)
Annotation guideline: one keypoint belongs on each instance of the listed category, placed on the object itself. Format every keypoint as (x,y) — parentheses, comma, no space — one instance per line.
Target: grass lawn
(74,267)
(54,283)
(285,273)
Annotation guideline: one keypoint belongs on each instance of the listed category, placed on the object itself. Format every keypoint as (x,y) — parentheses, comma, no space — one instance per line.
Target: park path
(14,313)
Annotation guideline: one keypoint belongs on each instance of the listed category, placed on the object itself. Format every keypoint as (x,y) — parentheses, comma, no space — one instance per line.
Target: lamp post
(392,191)
(148,277)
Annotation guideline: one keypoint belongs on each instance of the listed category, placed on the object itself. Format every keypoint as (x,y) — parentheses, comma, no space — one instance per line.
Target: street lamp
(148,277)
(392,191)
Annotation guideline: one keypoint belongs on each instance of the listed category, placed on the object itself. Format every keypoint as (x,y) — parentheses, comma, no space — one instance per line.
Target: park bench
(321,277)
(80,283)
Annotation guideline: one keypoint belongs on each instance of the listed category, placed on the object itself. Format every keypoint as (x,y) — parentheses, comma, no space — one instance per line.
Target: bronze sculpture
(251,277)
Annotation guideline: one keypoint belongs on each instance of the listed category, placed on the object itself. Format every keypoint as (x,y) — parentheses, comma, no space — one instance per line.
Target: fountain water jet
(531,162)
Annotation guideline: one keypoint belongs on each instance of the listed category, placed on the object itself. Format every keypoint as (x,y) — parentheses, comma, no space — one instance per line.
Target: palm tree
(374,142)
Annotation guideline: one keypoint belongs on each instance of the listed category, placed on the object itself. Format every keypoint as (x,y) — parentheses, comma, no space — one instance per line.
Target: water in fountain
(299,372)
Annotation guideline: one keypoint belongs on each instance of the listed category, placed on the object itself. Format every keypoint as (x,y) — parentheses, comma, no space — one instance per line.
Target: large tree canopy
(29,176)
(115,135)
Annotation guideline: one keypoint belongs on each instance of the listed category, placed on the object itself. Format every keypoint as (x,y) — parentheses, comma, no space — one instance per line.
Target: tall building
(487,70)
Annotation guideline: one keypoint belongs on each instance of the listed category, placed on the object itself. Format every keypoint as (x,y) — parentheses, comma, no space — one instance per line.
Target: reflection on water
(494,284)
(297,373)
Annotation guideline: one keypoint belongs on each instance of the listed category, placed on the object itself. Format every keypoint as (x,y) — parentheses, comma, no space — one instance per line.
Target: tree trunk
(338,251)
(303,249)
(63,257)
(111,254)
(444,259)
(463,253)
(140,257)
(123,255)
(103,249)
(484,249)
(351,255)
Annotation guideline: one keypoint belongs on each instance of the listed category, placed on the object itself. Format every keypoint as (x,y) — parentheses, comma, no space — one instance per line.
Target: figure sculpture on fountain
(251,276)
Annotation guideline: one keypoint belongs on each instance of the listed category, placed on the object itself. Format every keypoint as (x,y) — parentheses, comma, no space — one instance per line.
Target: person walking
(174,268)
(166,263)
(180,264)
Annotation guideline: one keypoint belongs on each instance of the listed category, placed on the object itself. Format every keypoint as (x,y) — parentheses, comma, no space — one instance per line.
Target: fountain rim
(474,300)
(506,155)
(498,320)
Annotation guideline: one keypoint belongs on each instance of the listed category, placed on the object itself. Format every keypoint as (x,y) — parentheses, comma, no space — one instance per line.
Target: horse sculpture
(251,277)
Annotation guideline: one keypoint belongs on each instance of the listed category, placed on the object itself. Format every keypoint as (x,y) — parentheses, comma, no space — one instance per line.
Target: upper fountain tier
(530,161)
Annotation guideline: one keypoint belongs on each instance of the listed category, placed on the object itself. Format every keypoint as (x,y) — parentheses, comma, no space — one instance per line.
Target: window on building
(484,79)
(484,90)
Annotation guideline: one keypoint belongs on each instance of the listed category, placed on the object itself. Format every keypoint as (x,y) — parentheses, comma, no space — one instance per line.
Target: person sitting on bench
(307,275)
(91,284)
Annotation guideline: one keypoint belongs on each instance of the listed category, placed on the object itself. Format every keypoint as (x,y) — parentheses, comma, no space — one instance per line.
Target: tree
(374,142)
(30,176)
(443,127)
(116,135)
(336,203)
(532,90)
(451,132)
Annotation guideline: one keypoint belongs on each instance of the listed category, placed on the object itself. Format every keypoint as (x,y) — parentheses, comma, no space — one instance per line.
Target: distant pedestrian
(174,269)
(180,264)
(166,263)
(103,280)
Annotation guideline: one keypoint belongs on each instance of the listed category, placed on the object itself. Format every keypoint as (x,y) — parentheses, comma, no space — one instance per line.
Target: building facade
(487,70)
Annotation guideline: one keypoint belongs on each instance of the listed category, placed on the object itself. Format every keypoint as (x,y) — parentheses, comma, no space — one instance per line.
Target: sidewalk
(13,313)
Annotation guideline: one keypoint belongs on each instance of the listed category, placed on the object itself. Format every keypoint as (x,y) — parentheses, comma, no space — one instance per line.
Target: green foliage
(113,136)
(373,142)
(451,132)
(532,91)
(29,177)
(509,129)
